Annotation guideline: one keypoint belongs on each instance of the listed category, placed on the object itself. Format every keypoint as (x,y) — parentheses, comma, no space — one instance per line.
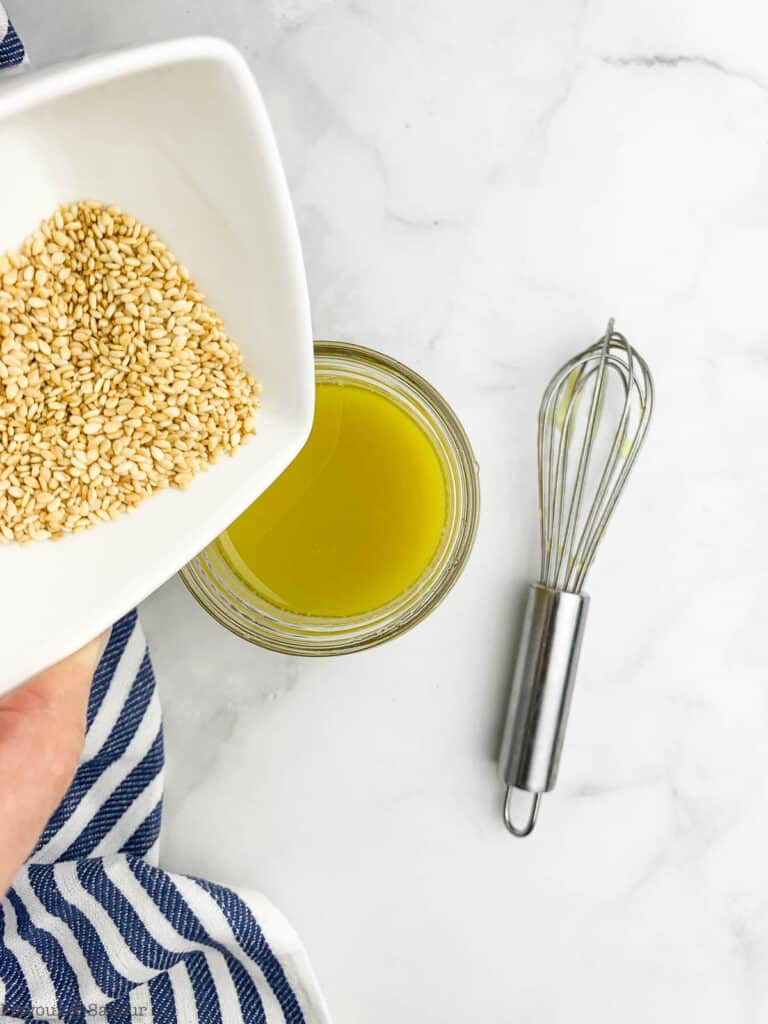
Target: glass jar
(230,600)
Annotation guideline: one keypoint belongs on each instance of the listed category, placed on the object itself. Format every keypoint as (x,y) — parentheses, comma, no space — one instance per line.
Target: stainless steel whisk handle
(542,684)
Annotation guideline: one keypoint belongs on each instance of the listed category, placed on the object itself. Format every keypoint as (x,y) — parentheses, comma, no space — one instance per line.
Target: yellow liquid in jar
(355,519)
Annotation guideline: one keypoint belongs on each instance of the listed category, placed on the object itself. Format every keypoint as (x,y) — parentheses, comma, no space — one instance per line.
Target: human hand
(42,729)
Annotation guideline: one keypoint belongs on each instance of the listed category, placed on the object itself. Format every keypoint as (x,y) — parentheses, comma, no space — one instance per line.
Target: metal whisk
(579,486)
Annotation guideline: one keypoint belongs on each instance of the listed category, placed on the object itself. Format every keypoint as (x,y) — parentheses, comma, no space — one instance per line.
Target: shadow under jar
(228,597)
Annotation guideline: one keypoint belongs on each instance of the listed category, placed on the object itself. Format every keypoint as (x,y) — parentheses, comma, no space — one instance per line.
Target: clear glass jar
(229,600)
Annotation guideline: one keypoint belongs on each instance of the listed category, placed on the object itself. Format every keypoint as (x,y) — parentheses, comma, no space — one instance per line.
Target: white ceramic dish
(176,134)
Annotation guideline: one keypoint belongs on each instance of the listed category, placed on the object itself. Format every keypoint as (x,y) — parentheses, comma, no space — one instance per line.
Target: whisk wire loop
(571,521)
(611,464)
(564,561)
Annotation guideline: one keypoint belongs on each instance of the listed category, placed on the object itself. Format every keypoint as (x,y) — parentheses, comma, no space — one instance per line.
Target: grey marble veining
(478,187)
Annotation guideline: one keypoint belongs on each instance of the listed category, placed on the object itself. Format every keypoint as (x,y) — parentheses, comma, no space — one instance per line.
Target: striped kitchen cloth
(11,47)
(93,929)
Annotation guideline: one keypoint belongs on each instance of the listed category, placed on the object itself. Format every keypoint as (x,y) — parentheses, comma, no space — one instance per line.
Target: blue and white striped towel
(93,929)
(11,47)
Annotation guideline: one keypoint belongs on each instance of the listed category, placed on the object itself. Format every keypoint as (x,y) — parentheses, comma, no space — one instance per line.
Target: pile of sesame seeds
(116,378)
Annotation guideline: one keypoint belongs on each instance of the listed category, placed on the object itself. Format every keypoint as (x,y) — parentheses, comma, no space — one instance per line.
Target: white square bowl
(177,135)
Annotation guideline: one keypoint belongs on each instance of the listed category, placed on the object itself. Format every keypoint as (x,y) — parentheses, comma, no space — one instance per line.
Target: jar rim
(229,600)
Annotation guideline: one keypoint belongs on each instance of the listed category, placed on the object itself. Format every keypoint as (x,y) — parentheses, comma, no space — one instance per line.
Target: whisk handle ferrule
(545,671)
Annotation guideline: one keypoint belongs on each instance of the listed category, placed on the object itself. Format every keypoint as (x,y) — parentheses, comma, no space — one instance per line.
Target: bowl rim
(69,77)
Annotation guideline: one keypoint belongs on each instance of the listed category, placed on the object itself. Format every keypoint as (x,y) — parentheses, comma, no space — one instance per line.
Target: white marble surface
(478,186)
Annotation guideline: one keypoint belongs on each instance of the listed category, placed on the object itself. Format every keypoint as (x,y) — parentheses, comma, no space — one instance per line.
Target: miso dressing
(354,521)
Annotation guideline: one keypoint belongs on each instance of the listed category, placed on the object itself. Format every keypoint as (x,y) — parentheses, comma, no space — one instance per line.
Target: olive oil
(356,518)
